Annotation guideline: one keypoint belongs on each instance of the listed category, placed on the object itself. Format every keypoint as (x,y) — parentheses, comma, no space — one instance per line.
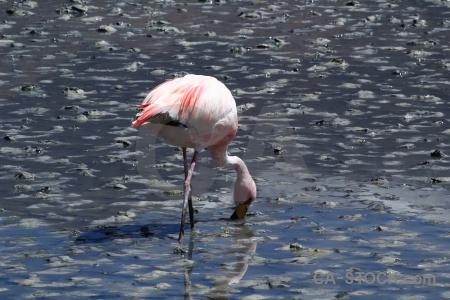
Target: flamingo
(198,112)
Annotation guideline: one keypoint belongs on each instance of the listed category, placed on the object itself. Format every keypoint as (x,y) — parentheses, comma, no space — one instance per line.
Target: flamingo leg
(187,191)
(188,270)
(191,208)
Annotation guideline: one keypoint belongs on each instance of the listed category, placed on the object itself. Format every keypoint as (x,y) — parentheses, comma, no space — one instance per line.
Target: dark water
(344,112)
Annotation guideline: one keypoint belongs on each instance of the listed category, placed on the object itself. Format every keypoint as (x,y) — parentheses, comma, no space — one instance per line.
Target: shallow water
(343,123)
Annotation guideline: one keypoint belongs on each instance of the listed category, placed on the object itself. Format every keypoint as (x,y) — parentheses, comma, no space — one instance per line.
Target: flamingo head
(241,209)
(244,195)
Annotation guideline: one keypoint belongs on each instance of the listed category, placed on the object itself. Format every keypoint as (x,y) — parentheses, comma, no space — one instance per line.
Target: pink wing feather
(178,97)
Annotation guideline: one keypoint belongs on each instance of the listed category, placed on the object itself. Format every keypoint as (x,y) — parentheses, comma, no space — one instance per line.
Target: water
(341,106)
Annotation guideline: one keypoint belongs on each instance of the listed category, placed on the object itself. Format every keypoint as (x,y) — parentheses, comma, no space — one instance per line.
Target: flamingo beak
(241,210)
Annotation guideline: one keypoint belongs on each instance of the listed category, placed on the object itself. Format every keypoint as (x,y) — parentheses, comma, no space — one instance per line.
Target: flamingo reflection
(243,248)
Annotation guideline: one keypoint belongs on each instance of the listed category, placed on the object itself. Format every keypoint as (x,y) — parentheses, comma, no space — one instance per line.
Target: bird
(198,112)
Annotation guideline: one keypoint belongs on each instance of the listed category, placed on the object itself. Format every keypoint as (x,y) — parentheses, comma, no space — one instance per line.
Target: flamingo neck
(220,156)
(234,162)
(244,186)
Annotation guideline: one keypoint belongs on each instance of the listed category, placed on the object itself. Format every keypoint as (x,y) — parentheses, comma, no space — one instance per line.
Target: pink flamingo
(198,112)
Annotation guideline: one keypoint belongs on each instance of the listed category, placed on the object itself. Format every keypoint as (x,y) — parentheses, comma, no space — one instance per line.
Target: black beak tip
(234,216)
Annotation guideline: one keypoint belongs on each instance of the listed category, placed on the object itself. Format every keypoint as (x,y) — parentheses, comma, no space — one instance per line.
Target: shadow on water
(107,233)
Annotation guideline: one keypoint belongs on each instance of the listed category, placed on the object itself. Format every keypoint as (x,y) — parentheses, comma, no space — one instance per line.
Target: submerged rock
(437,154)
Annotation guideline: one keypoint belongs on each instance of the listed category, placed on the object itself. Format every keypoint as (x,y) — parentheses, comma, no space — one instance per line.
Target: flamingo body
(193,112)
(198,112)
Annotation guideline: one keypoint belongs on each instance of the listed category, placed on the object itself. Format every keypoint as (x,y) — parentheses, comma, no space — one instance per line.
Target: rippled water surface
(344,113)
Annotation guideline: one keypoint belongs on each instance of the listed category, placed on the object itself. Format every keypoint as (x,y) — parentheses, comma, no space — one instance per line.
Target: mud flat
(344,113)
